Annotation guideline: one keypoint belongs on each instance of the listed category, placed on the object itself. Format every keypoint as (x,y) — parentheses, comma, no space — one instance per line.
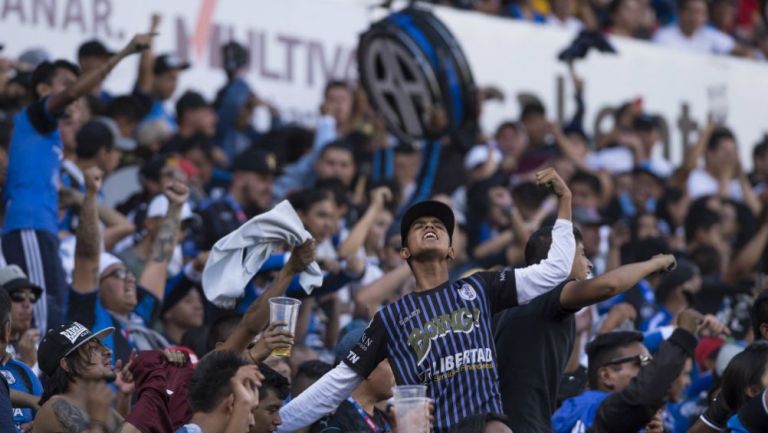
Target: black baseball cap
(63,340)
(432,208)
(256,161)
(93,48)
(169,62)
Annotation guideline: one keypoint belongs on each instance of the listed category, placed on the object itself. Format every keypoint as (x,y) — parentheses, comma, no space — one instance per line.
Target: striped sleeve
(370,350)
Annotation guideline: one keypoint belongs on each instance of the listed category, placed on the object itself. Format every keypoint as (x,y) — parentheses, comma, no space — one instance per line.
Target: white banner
(297,45)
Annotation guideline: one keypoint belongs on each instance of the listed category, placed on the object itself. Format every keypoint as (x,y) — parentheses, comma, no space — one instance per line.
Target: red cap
(707,346)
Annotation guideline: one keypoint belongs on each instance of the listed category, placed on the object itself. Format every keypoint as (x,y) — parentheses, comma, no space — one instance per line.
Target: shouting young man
(440,335)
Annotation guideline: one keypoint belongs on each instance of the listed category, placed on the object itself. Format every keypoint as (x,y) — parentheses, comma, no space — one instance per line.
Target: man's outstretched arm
(320,399)
(578,294)
(58,102)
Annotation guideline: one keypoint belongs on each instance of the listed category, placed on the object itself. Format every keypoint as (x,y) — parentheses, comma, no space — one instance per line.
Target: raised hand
(271,339)
(666,262)
(175,357)
(93,177)
(176,192)
(124,380)
(690,320)
(380,196)
(301,257)
(138,43)
(551,180)
(154,22)
(245,383)
(27,346)
(711,326)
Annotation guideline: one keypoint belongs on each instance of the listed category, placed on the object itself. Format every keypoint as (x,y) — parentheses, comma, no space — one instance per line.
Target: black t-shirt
(442,338)
(534,344)
(347,419)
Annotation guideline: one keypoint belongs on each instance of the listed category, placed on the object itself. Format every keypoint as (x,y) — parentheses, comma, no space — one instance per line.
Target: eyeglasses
(641,360)
(119,273)
(20,297)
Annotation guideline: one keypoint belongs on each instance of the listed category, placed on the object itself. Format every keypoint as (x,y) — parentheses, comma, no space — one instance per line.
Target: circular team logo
(399,85)
(467,292)
(410,64)
(8,376)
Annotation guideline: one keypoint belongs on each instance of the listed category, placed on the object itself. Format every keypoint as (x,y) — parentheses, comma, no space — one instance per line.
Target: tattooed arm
(85,276)
(156,269)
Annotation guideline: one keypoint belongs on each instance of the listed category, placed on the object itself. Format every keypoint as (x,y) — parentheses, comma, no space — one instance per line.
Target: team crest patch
(467,292)
(8,376)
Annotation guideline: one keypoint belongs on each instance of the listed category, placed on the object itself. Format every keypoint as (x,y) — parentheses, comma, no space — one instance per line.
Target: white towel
(235,258)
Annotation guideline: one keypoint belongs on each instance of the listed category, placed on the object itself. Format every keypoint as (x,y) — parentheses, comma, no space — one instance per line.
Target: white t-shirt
(701,183)
(703,40)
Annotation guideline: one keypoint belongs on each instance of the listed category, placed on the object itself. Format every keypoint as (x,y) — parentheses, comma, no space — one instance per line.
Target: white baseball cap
(106,260)
(158,208)
(479,154)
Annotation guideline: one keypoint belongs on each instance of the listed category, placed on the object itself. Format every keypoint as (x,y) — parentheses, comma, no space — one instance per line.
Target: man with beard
(77,398)
(249,194)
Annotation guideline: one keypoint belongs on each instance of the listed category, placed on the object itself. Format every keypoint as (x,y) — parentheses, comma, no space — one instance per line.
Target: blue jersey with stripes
(21,378)
(442,338)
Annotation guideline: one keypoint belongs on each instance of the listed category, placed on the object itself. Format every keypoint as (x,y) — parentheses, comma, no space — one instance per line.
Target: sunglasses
(19,297)
(641,360)
(119,273)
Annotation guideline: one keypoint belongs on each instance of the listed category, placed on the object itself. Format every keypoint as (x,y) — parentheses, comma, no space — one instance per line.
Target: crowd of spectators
(105,326)
(729,27)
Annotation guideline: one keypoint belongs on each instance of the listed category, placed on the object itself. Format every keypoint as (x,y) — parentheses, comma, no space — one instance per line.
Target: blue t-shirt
(662,317)
(157,111)
(6,410)
(21,378)
(86,308)
(34,157)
